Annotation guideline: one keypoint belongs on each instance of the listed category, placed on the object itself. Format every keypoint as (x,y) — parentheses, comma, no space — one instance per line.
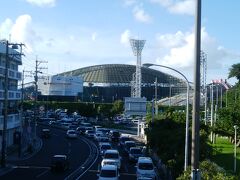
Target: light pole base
(196,175)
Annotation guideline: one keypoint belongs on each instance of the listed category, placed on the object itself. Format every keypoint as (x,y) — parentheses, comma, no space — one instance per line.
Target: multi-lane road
(83,156)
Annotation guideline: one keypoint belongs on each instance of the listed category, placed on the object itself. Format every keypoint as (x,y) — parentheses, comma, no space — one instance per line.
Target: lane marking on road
(31,167)
(41,174)
(124,174)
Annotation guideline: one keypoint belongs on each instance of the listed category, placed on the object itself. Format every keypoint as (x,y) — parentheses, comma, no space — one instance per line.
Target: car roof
(105,143)
(126,142)
(45,129)
(135,148)
(71,130)
(109,167)
(144,160)
(113,151)
(60,156)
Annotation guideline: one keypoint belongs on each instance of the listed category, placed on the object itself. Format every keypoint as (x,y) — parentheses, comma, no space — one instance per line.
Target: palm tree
(234,71)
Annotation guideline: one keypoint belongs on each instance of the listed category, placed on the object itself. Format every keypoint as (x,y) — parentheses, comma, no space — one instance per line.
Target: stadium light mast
(137,46)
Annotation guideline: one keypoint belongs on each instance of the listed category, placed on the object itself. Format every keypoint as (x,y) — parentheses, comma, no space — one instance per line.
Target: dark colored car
(59,163)
(46,133)
(123,139)
(114,135)
(134,154)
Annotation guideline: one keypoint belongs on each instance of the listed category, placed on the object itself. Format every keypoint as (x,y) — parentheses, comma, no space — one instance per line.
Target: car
(134,154)
(114,135)
(111,156)
(71,134)
(145,168)
(45,133)
(103,139)
(72,126)
(59,163)
(81,130)
(109,172)
(123,139)
(97,135)
(128,145)
(90,133)
(103,147)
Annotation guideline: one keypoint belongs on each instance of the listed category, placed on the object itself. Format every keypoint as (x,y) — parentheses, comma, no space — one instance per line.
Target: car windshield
(145,166)
(111,156)
(128,145)
(116,134)
(71,132)
(108,173)
(135,151)
(123,139)
(106,147)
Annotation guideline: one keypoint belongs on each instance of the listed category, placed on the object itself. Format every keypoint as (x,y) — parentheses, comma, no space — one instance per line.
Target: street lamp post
(187,109)
(235,148)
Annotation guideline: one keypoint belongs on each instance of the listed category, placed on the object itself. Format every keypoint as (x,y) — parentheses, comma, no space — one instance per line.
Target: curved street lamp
(187,109)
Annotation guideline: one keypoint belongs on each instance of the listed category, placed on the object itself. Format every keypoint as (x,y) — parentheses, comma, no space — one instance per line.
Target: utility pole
(4,131)
(37,70)
(196,99)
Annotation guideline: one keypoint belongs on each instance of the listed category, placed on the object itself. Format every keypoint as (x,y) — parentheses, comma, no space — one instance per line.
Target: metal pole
(205,112)
(35,99)
(235,148)
(211,112)
(221,97)
(226,97)
(4,131)
(170,94)
(196,100)
(186,130)
(156,106)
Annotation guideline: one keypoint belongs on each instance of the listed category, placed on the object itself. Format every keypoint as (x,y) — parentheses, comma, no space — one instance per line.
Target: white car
(109,172)
(104,147)
(72,134)
(97,135)
(111,156)
(145,168)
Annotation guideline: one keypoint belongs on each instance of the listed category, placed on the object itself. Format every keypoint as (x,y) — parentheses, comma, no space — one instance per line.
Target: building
(110,82)
(14,95)
(60,87)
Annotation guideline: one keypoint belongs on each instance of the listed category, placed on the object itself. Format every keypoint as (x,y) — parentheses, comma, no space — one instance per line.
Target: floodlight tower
(203,64)
(137,46)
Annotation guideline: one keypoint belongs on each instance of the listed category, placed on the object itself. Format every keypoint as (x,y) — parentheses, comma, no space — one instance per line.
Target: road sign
(135,106)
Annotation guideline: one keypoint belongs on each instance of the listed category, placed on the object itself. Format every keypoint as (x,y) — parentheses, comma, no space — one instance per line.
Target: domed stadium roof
(120,73)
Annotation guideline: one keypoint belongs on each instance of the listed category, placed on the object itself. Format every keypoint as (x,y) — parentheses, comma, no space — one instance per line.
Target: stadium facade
(110,82)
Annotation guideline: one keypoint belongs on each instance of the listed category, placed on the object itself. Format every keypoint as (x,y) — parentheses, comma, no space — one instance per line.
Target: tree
(234,71)
(209,170)
(117,107)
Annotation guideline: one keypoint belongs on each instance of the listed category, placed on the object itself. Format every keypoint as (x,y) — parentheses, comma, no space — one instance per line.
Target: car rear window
(135,151)
(145,166)
(111,156)
(108,173)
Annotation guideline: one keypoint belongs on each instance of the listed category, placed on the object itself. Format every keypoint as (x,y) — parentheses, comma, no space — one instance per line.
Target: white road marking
(41,174)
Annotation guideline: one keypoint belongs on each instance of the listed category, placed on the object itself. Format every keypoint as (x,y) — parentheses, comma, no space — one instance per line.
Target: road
(83,156)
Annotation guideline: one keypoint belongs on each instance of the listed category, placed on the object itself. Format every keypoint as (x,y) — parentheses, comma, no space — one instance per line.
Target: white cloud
(129,2)
(125,36)
(178,6)
(94,36)
(141,15)
(177,51)
(21,31)
(42,3)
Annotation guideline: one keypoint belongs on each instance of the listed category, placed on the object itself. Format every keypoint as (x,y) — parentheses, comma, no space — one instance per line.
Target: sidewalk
(13,156)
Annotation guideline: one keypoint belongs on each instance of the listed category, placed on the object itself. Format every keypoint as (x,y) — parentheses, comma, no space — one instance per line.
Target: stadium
(110,82)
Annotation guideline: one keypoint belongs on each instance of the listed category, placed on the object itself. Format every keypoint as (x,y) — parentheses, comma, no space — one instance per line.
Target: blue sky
(71,34)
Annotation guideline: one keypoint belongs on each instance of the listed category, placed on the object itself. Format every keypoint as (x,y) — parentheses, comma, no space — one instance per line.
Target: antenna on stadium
(137,46)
